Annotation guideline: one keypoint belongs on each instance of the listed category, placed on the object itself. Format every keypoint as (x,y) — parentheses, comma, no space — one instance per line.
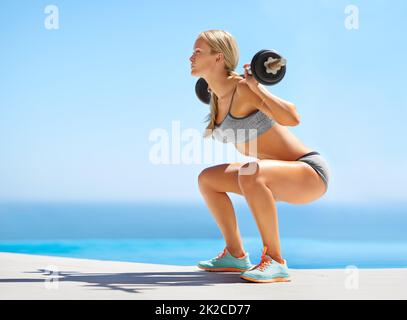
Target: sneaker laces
(221,255)
(264,261)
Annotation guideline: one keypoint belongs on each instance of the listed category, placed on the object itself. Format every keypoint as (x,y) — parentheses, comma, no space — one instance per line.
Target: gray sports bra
(242,129)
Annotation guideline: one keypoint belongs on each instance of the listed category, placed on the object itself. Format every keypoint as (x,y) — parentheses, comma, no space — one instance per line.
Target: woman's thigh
(293,182)
(221,178)
(290,181)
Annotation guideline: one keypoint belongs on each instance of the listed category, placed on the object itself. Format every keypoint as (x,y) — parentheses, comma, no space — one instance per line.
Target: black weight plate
(255,59)
(259,71)
(201,90)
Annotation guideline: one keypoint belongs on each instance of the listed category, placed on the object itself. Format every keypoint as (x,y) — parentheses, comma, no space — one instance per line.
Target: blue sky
(77,104)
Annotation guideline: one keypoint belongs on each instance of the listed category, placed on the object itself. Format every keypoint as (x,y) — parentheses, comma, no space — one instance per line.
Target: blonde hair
(220,41)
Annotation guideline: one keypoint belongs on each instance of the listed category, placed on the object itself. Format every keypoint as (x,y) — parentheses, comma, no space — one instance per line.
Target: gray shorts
(319,164)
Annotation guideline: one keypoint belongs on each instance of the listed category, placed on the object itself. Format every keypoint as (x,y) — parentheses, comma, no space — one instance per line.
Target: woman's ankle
(237,253)
(278,259)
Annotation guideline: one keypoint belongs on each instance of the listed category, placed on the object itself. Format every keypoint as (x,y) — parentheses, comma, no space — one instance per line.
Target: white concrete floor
(26,277)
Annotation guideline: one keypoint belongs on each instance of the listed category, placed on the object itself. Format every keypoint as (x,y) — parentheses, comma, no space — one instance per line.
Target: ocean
(312,236)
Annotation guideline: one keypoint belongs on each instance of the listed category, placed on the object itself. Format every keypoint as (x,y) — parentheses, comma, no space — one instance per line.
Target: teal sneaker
(226,262)
(267,270)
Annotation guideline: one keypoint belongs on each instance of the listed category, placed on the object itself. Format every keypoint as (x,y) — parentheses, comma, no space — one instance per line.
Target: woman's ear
(219,57)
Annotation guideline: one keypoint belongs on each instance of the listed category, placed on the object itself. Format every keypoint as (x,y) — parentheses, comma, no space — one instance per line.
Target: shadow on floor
(135,282)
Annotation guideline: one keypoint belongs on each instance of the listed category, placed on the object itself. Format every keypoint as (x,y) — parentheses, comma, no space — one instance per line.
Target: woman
(285,169)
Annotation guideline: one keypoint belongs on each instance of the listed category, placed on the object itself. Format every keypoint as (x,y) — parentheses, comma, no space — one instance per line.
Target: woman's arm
(284,112)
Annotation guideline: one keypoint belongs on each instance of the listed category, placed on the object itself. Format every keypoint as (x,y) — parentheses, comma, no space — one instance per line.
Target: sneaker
(226,262)
(267,270)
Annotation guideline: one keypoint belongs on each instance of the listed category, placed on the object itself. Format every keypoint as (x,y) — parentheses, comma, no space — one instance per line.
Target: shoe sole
(266,281)
(223,269)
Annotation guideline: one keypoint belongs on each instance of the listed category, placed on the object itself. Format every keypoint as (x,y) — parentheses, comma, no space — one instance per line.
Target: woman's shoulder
(243,90)
(247,101)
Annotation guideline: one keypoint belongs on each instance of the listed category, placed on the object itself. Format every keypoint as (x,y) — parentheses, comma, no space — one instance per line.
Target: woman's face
(202,60)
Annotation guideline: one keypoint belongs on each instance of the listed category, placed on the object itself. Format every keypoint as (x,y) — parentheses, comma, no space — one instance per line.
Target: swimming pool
(299,253)
(181,234)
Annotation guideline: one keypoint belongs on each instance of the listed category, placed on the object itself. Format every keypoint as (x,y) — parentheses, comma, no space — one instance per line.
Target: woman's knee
(220,178)
(205,177)
(249,177)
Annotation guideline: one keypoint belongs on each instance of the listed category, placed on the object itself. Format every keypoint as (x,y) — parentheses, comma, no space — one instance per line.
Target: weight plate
(259,70)
(201,90)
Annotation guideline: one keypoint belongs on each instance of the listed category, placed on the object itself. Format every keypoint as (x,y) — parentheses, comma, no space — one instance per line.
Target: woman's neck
(222,85)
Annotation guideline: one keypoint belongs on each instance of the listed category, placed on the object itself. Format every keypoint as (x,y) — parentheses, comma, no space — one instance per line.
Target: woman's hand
(249,79)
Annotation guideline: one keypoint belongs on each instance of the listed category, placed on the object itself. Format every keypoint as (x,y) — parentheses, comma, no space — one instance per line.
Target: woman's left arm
(284,112)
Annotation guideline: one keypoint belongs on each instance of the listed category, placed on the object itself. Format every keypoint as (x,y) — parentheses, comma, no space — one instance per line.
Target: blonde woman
(285,168)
